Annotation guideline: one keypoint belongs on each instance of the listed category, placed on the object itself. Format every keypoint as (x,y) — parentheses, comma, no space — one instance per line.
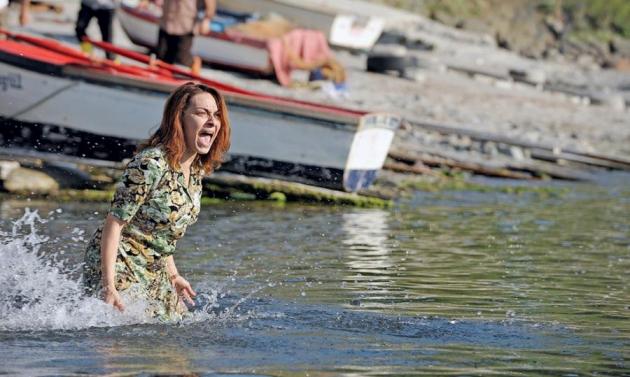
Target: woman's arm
(182,286)
(135,184)
(110,239)
(171,268)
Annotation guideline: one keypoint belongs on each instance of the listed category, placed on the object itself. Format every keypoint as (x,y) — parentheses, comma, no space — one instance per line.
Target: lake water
(454,283)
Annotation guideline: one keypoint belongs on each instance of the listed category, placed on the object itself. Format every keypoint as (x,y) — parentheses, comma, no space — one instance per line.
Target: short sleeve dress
(153,200)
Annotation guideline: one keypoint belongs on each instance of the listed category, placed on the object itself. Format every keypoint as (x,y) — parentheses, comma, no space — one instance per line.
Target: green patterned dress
(157,207)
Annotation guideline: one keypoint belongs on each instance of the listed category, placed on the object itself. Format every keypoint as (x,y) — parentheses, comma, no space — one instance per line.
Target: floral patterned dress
(157,207)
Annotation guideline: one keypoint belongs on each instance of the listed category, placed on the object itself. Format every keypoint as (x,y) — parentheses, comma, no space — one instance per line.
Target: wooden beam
(569,154)
(477,168)
(401,167)
(541,169)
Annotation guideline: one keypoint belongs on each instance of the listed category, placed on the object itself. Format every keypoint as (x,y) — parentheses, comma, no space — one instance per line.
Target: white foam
(39,292)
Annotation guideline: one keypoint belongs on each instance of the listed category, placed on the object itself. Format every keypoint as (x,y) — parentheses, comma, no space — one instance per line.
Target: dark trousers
(174,48)
(105,18)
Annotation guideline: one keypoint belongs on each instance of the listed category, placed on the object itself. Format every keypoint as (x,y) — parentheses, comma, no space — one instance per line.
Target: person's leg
(105,18)
(83,20)
(161,48)
(195,67)
(4,19)
(183,45)
(166,47)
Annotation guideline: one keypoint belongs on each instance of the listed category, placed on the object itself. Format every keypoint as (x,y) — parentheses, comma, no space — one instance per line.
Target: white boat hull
(342,28)
(104,120)
(143,30)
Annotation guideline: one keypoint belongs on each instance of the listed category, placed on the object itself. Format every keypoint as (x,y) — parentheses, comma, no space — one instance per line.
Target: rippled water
(461,283)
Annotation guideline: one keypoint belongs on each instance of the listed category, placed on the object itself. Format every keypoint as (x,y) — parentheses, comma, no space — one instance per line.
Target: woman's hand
(183,288)
(111,296)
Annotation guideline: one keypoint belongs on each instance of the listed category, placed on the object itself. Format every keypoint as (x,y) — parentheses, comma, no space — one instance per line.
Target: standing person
(103,11)
(4,13)
(24,12)
(23,15)
(178,25)
(130,257)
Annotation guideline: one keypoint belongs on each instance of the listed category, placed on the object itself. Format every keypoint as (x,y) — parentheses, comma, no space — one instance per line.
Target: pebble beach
(462,82)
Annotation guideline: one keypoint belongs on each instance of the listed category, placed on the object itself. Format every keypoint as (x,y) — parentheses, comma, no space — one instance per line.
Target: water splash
(217,303)
(39,291)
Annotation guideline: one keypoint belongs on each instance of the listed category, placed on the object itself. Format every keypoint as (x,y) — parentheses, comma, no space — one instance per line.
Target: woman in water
(157,198)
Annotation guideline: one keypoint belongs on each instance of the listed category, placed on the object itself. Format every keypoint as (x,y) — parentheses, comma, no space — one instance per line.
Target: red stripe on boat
(52,52)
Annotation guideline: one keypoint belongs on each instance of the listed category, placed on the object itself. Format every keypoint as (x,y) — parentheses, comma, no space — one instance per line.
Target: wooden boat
(55,99)
(344,27)
(229,48)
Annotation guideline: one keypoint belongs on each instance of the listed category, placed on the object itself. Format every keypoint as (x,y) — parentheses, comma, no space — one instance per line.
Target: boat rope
(43,100)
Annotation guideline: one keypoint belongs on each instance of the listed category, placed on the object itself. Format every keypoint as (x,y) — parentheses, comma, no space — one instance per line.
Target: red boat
(55,99)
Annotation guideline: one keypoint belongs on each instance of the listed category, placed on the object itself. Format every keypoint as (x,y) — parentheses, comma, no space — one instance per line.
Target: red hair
(170,135)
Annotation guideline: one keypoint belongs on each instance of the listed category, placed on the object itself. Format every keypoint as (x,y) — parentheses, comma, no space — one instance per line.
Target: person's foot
(86,47)
(195,68)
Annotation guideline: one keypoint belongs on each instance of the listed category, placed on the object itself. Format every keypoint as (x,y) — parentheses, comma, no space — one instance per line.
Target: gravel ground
(438,94)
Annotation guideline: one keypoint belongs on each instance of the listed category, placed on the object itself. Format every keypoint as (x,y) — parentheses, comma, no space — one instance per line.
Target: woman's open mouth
(205,137)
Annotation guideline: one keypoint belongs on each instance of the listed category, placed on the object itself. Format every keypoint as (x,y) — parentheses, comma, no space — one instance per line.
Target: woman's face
(201,122)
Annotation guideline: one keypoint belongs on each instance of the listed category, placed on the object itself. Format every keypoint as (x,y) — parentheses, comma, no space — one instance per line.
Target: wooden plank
(519,169)
(474,70)
(569,154)
(545,155)
(542,169)
(416,168)
(477,168)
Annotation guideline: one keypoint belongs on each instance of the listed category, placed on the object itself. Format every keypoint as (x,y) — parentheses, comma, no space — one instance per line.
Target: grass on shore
(593,18)
(460,184)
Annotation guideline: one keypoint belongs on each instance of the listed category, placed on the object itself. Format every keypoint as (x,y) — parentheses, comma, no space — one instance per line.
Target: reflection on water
(160,358)
(366,235)
(455,284)
(368,256)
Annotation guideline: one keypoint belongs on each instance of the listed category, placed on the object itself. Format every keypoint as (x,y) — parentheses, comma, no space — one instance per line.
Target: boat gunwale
(238,38)
(96,74)
(322,10)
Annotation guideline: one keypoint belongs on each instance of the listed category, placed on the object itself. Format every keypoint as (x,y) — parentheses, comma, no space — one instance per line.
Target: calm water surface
(461,283)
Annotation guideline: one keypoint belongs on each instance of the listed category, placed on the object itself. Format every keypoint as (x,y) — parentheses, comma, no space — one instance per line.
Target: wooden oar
(59,48)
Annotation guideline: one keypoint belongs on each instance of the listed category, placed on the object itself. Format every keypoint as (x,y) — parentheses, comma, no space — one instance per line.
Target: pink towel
(309,45)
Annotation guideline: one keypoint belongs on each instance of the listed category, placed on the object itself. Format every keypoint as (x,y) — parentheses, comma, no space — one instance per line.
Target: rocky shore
(586,32)
(469,104)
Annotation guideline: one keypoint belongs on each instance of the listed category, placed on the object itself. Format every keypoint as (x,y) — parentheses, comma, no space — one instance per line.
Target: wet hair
(170,135)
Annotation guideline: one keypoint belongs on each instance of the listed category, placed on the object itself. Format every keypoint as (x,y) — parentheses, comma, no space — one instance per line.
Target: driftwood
(475,70)
(542,151)
(544,169)
(582,159)
(477,168)
(416,168)
(529,169)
